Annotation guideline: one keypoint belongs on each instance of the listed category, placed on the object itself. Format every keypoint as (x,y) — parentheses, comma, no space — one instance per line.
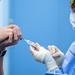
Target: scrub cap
(72,2)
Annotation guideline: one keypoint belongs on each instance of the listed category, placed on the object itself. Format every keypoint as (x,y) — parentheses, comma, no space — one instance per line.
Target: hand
(5,32)
(42,55)
(11,35)
(38,52)
(57,54)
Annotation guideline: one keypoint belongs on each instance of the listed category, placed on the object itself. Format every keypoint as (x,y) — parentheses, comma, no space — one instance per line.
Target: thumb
(7,41)
(51,49)
(32,50)
(37,46)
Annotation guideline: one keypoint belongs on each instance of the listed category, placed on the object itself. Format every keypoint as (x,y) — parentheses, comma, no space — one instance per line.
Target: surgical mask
(72,19)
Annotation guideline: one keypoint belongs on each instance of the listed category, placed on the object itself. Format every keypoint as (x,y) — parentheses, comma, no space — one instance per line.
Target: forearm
(1,66)
(50,62)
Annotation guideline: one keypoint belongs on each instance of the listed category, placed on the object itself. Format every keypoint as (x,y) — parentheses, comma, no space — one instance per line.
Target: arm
(1,66)
(68,65)
(9,35)
(56,54)
(42,55)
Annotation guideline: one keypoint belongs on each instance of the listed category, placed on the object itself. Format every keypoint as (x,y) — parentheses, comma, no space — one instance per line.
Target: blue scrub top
(68,64)
(58,71)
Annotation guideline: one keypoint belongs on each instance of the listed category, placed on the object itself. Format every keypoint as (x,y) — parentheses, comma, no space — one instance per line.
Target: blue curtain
(4,17)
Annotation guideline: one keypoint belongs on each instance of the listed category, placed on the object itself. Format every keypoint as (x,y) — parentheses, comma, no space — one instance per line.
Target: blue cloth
(69,60)
(68,65)
(56,71)
(73,73)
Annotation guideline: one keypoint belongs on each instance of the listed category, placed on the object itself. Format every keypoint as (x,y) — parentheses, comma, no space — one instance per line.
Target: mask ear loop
(72,25)
(72,6)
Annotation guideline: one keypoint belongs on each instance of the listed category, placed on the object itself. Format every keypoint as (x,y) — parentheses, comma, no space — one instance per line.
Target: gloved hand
(42,55)
(57,54)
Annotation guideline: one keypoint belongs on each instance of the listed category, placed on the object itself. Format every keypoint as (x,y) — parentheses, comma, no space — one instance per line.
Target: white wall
(4,11)
(4,15)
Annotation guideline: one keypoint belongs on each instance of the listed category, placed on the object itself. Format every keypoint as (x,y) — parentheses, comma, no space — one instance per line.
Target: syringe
(29,42)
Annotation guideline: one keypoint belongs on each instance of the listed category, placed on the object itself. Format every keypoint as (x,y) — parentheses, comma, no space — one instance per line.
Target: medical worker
(54,59)
(71,51)
(9,35)
(67,61)
(56,62)
(68,64)
(72,14)
(43,55)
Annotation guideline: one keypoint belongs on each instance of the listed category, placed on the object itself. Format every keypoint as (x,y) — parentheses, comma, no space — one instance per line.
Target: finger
(7,42)
(10,38)
(32,50)
(37,46)
(6,36)
(12,41)
(53,49)
(15,35)
(57,49)
(19,33)
(8,30)
(50,49)
(11,26)
(56,55)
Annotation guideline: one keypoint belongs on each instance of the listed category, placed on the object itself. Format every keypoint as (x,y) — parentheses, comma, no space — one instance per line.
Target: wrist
(2,52)
(50,62)
(2,48)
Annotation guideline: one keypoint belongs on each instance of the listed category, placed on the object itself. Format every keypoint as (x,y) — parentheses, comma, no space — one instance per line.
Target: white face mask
(72,19)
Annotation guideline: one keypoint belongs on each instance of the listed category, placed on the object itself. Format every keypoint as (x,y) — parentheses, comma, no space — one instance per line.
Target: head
(72,5)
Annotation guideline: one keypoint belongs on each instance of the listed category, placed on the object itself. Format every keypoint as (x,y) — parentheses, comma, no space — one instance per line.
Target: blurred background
(42,21)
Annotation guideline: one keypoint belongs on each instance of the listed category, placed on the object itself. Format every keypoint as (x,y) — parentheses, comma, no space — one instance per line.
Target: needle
(28,41)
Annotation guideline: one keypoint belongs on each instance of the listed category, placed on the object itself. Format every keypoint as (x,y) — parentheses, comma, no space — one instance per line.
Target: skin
(1,66)
(9,35)
(73,8)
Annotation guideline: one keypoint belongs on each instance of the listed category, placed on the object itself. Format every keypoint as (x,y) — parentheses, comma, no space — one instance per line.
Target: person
(72,14)
(43,55)
(9,35)
(71,51)
(65,63)
(61,64)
